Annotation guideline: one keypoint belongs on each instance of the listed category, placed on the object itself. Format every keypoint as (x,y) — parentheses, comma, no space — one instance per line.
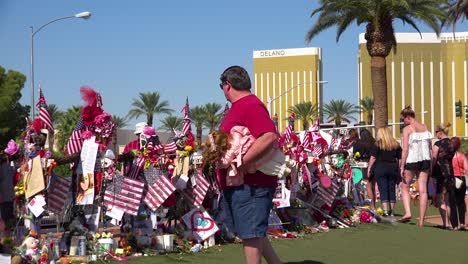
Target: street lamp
(271,100)
(83,15)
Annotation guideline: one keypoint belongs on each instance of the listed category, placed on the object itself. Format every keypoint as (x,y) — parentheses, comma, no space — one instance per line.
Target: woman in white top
(415,160)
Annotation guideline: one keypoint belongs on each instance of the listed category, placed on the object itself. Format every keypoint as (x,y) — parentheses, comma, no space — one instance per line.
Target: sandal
(404,219)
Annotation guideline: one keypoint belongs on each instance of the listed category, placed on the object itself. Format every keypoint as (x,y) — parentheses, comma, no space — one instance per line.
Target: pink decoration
(12,147)
(87,134)
(149,131)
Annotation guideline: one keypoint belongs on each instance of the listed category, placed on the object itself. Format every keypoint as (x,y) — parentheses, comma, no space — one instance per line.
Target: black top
(443,167)
(364,149)
(386,156)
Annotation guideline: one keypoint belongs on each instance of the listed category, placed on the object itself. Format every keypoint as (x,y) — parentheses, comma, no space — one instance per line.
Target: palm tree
(197,115)
(305,111)
(213,115)
(457,11)
(380,34)
(367,107)
(149,104)
(119,123)
(66,125)
(340,110)
(171,123)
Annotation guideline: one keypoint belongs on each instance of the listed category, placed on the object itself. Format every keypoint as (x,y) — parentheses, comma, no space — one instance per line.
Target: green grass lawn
(367,243)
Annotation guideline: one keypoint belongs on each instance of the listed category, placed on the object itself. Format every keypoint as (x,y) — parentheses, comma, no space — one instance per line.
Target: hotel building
(427,72)
(285,77)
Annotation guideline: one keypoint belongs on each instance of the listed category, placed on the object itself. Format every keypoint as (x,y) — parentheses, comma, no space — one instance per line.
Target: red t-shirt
(250,112)
(132,145)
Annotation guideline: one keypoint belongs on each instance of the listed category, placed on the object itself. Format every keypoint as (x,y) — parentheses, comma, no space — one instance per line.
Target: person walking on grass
(442,171)
(460,169)
(415,161)
(363,146)
(247,207)
(384,162)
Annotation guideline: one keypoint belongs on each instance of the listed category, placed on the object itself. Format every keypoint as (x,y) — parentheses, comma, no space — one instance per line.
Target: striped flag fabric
(75,142)
(306,140)
(317,150)
(170,148)
(199,190)
(327,195)
(186,128)
(44,115)
(125,195)
(137,165)
(289,128)
(57,193)
(158,193)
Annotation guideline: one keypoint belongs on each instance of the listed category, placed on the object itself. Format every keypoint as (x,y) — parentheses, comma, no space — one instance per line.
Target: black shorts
(418,166)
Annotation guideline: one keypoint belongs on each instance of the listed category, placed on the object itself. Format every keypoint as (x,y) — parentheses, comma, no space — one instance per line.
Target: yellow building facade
(427,72)
(285,77)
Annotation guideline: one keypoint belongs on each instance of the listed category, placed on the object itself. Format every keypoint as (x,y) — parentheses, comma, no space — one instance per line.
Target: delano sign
(257,54)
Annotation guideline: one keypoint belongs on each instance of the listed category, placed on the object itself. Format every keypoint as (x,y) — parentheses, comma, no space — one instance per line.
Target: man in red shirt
(132,145)
(135,144)
(248,206)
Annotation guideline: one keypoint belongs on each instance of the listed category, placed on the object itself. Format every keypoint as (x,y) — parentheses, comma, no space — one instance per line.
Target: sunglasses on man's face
(221,85)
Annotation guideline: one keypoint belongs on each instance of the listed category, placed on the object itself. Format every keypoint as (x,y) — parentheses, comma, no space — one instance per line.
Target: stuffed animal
(32,248)
(108,164)
(227,152)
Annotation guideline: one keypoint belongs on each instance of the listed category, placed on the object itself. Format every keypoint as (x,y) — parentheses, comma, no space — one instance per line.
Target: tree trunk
(199,135)
(370,118)
(379,90)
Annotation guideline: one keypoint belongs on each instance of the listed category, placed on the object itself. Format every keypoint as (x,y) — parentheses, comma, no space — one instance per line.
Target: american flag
(44,115)
(57,193)
(306,141)
(199,190)
(327,195)
(124,194)
(137,165)
(318,150)
(186,128)
(290,128)
(159,192)
(75,142)
(170,148)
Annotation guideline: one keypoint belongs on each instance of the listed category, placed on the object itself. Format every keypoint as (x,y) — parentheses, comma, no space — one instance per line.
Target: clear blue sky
(177,48)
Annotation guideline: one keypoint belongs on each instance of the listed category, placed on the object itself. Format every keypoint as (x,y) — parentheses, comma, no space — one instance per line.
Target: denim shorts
(246,210)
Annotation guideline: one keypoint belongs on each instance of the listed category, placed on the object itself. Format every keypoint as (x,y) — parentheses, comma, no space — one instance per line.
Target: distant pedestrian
(415,161)
(384,162)
(362,151)
(460,169)
(442,171)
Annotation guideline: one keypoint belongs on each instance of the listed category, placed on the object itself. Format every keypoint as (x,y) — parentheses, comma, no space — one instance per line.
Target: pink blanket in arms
(241,140)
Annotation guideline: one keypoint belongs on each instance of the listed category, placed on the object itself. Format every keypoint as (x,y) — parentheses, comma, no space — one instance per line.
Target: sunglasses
(221,85)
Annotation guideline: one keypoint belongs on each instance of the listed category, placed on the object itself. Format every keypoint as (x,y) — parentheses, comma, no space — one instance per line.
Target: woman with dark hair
(442,171)
(353,136)
(460,169)
(362,151)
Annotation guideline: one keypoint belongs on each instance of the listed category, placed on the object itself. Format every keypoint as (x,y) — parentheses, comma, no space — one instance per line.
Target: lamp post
(84,15)
(271,100)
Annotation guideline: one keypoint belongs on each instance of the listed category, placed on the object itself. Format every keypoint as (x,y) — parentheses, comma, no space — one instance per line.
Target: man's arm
(262,146)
